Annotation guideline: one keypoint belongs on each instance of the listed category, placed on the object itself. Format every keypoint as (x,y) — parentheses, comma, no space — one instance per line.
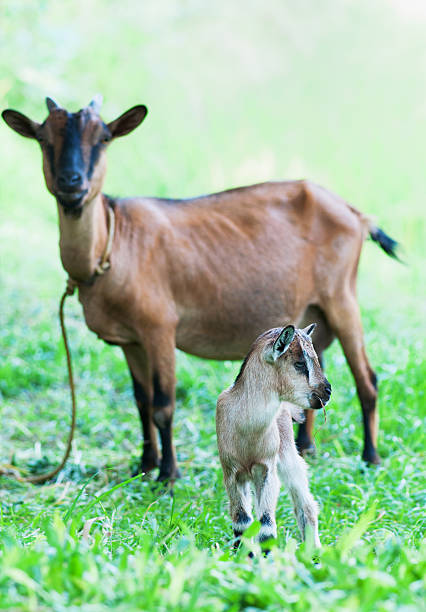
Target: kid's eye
(300,365)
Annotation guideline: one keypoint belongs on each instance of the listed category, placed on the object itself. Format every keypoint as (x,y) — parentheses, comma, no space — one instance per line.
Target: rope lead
(44,477)
(41,478)
(103,265)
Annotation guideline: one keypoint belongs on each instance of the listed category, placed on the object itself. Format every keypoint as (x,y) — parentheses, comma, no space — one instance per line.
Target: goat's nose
(69,179)
(327,388)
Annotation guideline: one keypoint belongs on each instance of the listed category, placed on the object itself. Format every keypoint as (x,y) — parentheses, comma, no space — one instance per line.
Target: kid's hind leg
(267,487)
(292,471)
(239,505)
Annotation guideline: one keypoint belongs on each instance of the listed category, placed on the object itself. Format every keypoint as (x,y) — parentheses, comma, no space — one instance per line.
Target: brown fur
(207,274)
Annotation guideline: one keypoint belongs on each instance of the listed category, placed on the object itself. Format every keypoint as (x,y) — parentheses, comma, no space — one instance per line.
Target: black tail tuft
(388,244)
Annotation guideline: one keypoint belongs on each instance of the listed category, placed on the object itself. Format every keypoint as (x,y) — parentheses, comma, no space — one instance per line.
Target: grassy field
(333,91)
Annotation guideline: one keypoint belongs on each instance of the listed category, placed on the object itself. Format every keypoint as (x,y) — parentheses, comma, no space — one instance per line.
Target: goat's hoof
(169,475)
(371,457)
(145,468)
(165,482)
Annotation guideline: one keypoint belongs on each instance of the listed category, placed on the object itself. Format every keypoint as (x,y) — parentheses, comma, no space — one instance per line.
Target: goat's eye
(300,365)
(106,137)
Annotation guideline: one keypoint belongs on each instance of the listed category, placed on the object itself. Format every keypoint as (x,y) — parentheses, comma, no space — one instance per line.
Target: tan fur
(208,274)
(255,432)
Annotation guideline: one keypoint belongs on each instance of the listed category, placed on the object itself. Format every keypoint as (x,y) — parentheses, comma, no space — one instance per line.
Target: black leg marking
(237,538)
(369,453)
(265,538)
(149,458)
(138,391)
(161,399)
(242,518)
(168,467)
(265,520)
(163,420)
(368,406)
(241,521)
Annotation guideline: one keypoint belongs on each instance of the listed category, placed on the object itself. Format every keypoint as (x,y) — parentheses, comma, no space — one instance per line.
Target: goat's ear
(283,341)
(20,123)
(310,329)
(128,121)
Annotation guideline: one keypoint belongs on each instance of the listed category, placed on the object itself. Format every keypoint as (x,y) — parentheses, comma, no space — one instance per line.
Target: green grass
(277,90)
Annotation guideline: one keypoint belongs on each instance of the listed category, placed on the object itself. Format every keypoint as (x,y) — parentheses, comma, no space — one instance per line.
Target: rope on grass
(41,478)
(100,269)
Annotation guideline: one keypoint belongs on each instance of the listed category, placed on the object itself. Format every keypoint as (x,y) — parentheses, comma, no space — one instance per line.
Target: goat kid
(193,273)
(255,431)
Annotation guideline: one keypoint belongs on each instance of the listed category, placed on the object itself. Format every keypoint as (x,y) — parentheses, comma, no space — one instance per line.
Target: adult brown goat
(207,274)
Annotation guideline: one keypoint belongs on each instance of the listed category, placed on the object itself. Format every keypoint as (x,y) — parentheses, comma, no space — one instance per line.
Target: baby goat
(255,433)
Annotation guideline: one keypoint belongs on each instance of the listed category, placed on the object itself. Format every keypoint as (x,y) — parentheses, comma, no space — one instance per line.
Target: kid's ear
(128,121)
(283,341)
(20,123)
(310,329)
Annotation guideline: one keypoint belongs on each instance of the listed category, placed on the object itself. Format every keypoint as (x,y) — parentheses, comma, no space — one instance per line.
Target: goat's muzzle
(321,396)
(71,201)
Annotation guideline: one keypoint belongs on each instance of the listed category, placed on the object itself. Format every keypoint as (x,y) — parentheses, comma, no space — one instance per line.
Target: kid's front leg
(267,486)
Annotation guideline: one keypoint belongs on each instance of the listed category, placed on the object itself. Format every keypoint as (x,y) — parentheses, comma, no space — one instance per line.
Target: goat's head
(299,376)
(73,147)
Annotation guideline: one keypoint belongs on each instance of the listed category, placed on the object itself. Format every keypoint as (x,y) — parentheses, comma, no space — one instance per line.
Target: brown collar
(104,263)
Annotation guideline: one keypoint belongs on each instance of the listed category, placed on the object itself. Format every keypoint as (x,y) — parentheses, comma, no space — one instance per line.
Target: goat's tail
(388,244)
(369,227)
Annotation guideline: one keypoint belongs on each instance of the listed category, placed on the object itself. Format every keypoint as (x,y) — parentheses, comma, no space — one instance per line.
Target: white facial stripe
(309,363)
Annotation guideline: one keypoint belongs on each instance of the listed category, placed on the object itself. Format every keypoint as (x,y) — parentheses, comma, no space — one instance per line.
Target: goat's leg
(239,505)
(267,487)
(304,442)
(142,388)
(344,317)
(322,338)
(292,471)
(162,359)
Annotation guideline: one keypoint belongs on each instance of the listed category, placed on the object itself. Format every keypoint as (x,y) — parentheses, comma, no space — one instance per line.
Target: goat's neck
(258,404)
(83,239)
